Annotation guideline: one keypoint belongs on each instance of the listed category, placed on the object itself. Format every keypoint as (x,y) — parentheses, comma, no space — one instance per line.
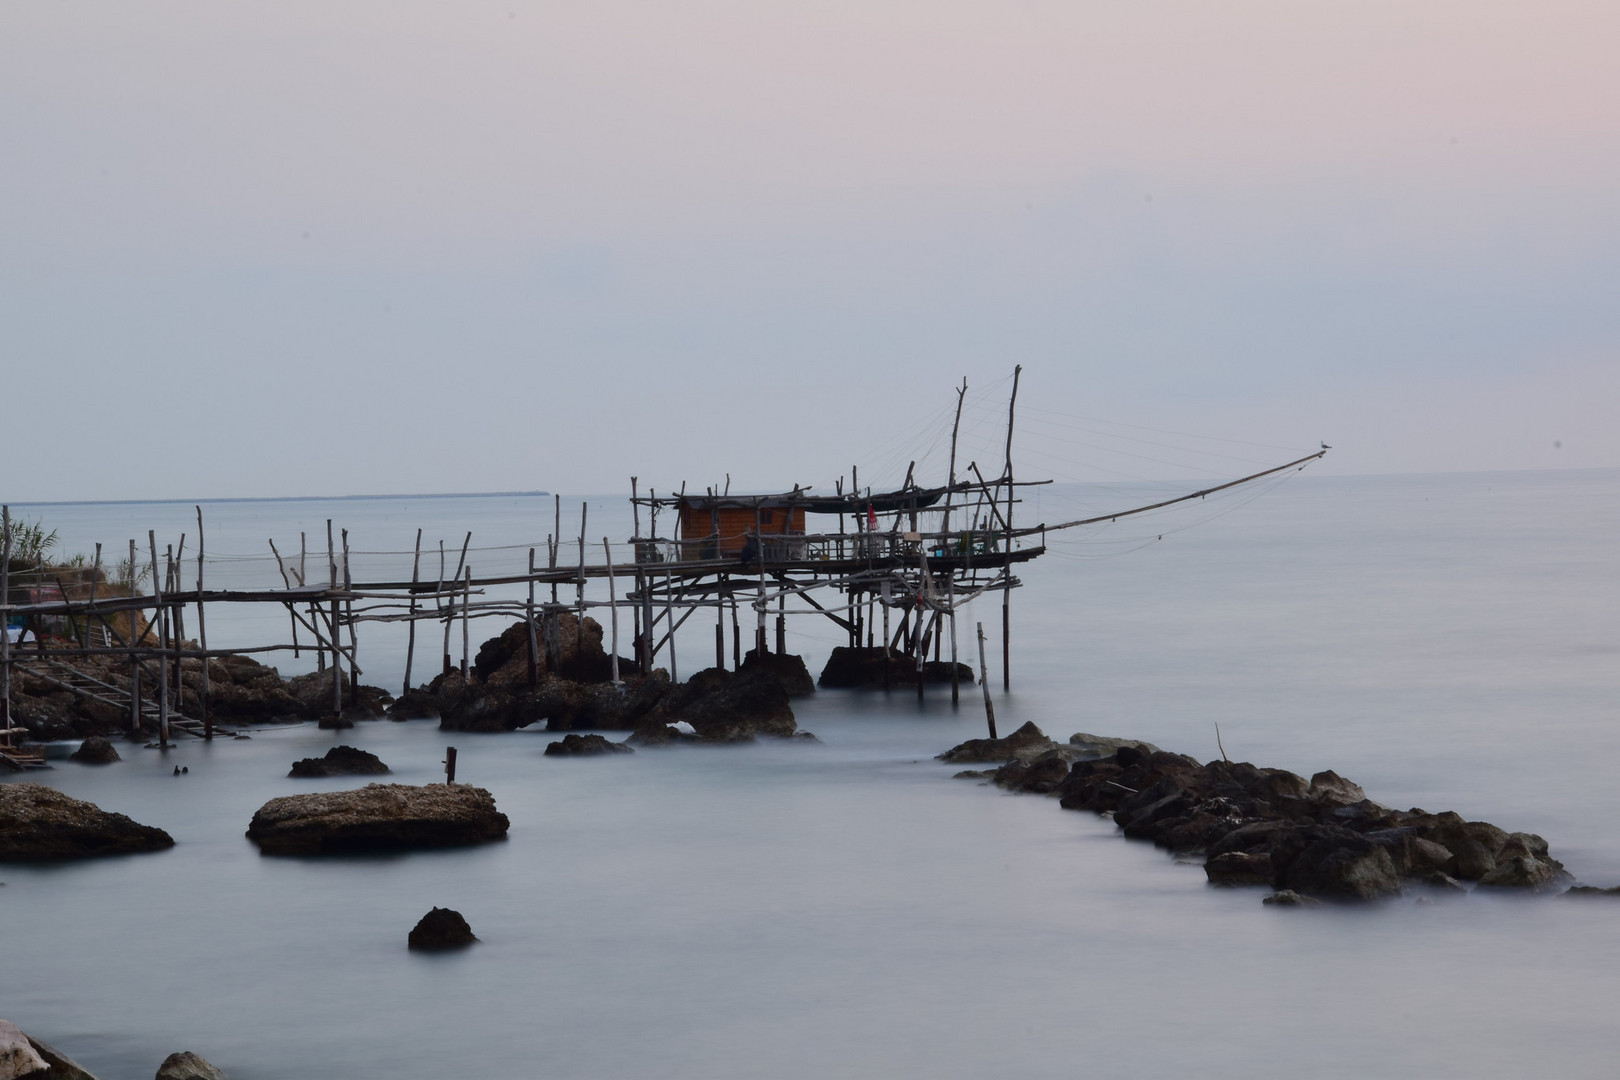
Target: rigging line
(1228,506)
(1038,433)
(1299,463)
(1159,431)
(1169,485)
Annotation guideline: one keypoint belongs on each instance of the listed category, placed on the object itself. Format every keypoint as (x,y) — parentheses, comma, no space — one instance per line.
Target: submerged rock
(377,817)
(440,929)
(1319,837)
(37,822)
(62,1067)
(17,1055)
(584,746)
(788,668)
(340,761)
(187,1066)
(1026,744)
(95,751)
(860,667)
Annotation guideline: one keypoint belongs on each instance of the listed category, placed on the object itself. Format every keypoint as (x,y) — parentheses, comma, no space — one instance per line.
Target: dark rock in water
(562,704)
(1590,892)
(37,822)
(1330,860)
(1290,898)
(314,693)
(340,761)
(584,745)
(377,817)
(788,669)
(859,667)
(242,690)
(17,1055)
(62,1067)
(1439,880)
(187,1066)
(1101,746)
(95,751)
(334,723)
(725,707)
(1525,872)
(415,704)
(1331,789)
(1026,744)
(441,929)
(1240,868)
(574,645)
(1040,776)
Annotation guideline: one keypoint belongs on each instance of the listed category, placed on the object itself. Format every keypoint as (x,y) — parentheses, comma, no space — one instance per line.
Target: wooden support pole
(438,602)
(205,693)
(528,618)
(332,631)
(613,610)
(162,624)
(171,564)
(579,594)
(348,616)
(449,765)
(736,635)
(720,633)
(554,541)
(134,659)
(410,633)
(781,624)
(984,681)
(5,621)
(466,617)
(669,617)
(956,671)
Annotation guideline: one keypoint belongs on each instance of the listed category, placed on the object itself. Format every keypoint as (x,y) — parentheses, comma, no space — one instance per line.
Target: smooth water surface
(846,908)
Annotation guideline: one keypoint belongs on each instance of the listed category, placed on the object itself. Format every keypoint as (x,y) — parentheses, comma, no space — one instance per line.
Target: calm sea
(846,908)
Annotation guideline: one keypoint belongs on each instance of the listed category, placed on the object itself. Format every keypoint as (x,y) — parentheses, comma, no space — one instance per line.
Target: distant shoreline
(292,498)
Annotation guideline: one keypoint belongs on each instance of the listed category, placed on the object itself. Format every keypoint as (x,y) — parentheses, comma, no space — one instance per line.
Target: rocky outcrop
(314,693)
(17,1055)
(714,704)
(788,669)
(37,822)
(440,929)
(565,647)
(187,1066)
(1026,744)
(859,667)
(725,707)
(1320,837)
(572,745)
(95,751)
(377,817)
(340,761)
(62,1067)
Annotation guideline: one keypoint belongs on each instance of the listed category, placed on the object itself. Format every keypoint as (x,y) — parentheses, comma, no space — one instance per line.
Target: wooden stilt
(163,644)
(5,618)
(984,681)
(205,693)
(613,610)
(528,619)
(416,577)
(466,616)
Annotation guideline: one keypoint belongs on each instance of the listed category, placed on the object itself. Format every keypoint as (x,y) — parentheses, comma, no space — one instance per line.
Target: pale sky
(256,249)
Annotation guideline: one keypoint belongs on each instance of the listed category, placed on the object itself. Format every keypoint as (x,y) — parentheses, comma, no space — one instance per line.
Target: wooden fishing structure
(892,569)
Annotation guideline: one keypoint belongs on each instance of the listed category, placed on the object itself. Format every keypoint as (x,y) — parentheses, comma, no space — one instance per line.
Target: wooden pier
(891,569)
